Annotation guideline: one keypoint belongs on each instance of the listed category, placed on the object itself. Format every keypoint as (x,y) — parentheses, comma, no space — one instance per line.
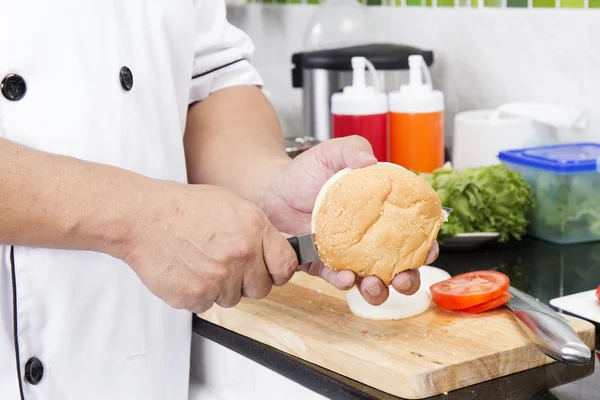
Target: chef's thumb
(352,151)
(279,256)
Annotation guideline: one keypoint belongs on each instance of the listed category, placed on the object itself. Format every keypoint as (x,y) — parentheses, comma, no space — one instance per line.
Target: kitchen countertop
(542,269)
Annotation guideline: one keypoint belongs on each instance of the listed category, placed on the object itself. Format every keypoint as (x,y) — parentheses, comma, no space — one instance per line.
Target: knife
(549,331)
(305,247)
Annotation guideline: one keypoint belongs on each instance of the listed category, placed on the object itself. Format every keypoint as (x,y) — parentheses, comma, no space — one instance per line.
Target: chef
(143,179)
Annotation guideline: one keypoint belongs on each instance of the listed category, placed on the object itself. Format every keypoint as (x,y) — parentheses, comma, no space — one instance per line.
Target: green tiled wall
(459,3)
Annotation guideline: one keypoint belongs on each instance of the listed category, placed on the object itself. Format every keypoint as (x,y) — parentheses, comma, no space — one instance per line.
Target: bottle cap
(417,96)
(360,99)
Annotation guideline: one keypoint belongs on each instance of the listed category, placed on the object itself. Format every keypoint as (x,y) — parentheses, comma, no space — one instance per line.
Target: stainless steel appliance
(298,145)
(321,73)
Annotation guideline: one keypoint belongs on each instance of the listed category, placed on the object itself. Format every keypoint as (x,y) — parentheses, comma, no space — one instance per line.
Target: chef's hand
(291,203)
(196,245)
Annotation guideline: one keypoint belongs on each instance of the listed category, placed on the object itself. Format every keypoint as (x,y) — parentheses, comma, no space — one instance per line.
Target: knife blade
(306,250)
(549,331)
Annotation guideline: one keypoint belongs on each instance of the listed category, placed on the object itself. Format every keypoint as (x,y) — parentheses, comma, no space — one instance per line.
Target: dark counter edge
(293,368)
(335,386)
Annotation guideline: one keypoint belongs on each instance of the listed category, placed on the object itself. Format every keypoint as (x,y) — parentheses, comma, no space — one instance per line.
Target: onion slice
(397,306)
(431,275)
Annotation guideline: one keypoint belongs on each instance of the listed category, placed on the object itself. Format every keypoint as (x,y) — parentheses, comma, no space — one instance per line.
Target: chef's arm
(233,138)
(55,201)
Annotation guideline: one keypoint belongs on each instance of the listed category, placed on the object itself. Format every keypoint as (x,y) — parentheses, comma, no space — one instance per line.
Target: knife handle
(553,337)
(304,247)
(295,245)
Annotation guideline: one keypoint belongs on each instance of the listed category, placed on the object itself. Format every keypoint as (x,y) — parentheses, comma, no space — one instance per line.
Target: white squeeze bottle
(417,121)
(362,110)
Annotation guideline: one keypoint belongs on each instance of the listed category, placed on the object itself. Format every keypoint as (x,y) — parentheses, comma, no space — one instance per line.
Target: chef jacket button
(34,370)
(13,87)
(126,78)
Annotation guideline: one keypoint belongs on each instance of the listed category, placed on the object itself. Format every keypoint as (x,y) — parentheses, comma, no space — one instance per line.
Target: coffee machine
(321,73)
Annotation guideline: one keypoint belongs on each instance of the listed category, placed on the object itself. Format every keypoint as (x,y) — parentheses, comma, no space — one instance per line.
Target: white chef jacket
(107,81)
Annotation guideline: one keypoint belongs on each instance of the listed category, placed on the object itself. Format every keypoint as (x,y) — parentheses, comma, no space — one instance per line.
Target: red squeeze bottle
(362,110)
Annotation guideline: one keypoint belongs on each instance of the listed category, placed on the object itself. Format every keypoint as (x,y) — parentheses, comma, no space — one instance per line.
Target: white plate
(584,305)
(470,240)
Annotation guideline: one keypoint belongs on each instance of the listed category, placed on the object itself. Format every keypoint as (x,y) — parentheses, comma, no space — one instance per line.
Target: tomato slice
(488,305)
(598,293)
(469,289)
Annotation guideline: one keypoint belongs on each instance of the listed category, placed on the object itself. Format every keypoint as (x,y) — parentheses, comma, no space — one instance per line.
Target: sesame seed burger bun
(376,221)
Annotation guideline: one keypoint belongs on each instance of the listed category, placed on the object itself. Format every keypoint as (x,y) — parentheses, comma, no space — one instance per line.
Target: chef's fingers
(313,269)
(342,280)
(279,256)
(352,151)
(181,289)
(198,293)
(201,307)
(373,290)
(257,283)
(407,282)
(231,288)
(433,253)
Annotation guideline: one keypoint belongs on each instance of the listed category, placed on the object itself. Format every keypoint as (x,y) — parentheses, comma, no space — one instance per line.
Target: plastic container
(362,110)
(417,121)
(339,23)
(565,180)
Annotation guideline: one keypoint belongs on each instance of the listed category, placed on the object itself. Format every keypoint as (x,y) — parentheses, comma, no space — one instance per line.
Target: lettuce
(567,205)
(484,199)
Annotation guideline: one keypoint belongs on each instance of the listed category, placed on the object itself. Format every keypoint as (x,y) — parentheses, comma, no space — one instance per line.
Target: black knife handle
(295,245)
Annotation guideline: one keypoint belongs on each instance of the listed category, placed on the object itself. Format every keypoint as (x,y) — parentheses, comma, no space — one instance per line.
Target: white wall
(483,57)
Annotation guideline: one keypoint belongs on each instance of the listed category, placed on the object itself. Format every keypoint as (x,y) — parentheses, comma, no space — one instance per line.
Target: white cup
(479,135)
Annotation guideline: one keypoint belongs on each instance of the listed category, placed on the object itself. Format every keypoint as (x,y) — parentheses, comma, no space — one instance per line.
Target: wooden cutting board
(429,354)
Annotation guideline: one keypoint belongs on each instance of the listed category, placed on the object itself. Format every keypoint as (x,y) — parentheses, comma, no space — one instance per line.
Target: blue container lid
(577,157)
